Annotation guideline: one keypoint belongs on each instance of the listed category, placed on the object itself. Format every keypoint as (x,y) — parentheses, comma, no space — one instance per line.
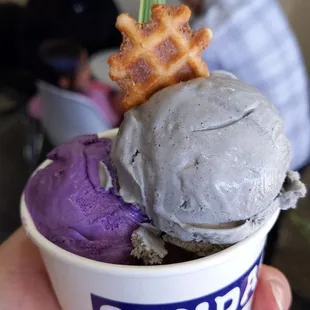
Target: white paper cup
(222,281)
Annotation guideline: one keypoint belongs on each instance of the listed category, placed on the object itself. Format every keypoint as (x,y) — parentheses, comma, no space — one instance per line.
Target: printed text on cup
(233,297)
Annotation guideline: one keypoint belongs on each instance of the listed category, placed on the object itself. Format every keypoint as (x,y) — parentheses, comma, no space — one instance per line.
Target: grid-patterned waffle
(157,54)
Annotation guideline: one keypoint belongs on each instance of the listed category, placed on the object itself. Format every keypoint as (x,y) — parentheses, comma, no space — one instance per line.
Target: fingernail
(278,293)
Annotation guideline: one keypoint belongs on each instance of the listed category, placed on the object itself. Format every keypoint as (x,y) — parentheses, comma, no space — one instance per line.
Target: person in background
(253,40)
(64,64)
(90,22)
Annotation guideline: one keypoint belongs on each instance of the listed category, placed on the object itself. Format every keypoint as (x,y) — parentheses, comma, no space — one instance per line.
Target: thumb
(273,290)
(24,283)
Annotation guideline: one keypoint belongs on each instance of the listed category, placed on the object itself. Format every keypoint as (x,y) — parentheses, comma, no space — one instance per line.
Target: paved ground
(293,251)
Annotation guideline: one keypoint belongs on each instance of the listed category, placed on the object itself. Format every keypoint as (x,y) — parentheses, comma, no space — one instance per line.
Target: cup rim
(136,271)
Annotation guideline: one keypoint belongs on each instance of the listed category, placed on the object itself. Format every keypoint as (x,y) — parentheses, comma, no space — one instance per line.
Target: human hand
(24,283)
(273,291)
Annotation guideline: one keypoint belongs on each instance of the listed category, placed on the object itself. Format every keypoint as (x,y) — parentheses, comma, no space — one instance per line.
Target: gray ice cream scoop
(206,160)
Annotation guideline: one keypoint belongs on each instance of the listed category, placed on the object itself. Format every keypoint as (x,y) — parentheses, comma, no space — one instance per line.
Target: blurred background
(25,137)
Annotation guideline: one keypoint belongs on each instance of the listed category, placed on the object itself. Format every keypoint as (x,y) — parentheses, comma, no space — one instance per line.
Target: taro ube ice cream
(74,202)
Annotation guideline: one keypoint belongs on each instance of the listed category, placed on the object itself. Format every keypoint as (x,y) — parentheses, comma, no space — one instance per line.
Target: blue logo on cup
(233,297)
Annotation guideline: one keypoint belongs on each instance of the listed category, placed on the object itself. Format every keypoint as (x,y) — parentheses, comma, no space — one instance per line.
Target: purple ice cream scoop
(74,202)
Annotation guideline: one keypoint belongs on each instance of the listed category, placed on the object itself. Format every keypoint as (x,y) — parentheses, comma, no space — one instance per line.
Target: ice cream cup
(222,281)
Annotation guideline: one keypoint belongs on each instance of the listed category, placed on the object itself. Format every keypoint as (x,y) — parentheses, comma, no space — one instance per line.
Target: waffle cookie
(157,54)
